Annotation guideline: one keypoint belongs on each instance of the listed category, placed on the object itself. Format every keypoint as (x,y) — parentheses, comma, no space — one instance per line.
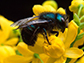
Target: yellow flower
(27,55)
(55,45)
(38,9)
(78,43)
(37,48)
(6,51)
(8,36)
(75,5)
(59,50)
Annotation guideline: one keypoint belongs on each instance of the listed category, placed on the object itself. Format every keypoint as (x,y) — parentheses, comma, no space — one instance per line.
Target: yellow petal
(3,36)
(23,49)
(6,51)
(61,60)
(13,31)
(11,41)
(49,8)
(61,11)
(4,33)
(44,57)
(6,30)
(81,60)
(37,48)
(57,60)
(4,23)
(73,53)
(55,45)
(17,59)
(51,2)
(62,36)
(79,42)
(35,60)
(38,9)
(71,34)
(51,60)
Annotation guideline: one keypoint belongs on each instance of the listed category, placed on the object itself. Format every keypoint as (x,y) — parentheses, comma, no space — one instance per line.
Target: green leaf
(80,36)
(81,25)
(68,60)
(78,30)
(82,17)
(72,43)
(82,48)
(80,8)
(76,19)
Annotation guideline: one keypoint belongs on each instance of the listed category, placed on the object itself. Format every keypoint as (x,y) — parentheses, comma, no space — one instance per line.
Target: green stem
(81,18)
(82,48)
(41,60)
(20,37)
(37,56)
(80,8)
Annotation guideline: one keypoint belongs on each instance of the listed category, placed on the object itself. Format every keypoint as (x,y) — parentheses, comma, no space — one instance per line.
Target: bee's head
(61,21)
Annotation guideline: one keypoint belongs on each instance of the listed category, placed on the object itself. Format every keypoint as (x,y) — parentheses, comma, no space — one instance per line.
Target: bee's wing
(22,21)
(34,22)
(37,22)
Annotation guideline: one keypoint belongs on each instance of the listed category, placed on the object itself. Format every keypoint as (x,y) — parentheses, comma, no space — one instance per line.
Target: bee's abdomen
(28,35)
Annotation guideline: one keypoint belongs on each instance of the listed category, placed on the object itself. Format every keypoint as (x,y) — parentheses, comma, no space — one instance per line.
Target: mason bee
(45,23)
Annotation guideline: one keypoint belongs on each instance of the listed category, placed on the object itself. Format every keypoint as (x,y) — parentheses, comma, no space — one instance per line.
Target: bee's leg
(55,32)
(46,35)
(34,32)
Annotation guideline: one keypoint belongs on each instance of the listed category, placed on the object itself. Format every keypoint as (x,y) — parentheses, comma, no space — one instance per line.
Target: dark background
(18,9)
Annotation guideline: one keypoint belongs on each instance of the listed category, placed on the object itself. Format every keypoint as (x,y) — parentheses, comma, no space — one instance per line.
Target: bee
(45,23)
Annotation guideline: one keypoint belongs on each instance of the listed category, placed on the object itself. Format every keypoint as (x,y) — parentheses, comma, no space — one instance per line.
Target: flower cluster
(63,48)
(8,38)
